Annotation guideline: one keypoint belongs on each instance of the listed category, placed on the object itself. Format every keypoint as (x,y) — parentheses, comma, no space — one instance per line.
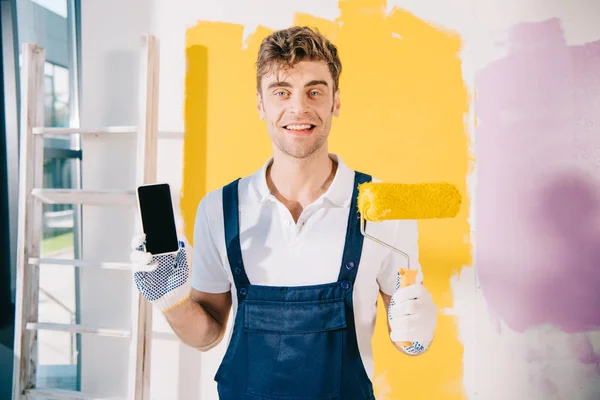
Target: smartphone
(158,220)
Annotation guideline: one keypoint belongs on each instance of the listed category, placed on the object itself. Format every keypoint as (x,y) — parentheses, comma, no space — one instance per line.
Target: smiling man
(283,249)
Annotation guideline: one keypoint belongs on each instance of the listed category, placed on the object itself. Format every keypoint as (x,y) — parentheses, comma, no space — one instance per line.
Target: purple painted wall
(538,181)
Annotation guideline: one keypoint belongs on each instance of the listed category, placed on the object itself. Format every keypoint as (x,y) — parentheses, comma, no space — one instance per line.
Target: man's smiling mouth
(299,128)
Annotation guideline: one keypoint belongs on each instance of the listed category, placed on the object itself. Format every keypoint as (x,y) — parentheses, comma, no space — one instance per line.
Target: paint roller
(381,201)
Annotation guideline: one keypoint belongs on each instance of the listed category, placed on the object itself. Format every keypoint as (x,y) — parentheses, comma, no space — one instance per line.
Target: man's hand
(163,280)
(412,317)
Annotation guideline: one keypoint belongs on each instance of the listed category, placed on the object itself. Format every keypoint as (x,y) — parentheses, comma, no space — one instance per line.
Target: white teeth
(298,127)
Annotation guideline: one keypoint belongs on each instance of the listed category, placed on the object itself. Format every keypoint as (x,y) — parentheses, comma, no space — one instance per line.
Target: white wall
(111,32)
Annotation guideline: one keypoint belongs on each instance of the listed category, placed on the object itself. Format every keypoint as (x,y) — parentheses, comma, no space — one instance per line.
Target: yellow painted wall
(404,106)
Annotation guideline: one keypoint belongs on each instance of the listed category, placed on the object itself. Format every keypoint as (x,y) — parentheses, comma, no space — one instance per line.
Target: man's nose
(299,104)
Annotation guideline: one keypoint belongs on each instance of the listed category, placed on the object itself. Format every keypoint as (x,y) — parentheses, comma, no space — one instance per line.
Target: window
(58,7)
(56,82)
(52,24)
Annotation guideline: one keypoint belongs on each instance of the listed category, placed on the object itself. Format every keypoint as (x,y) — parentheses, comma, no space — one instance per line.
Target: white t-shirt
(278,252)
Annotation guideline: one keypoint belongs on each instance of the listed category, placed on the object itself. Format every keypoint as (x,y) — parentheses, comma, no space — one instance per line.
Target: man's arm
(200,320)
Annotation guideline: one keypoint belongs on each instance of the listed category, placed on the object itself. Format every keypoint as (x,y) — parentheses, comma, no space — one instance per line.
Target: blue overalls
(293,342)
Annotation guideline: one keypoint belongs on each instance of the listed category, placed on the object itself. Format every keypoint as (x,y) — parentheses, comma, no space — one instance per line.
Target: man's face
(298,105)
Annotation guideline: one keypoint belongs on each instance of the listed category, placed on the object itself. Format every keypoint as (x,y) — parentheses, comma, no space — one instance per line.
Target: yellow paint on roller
(402,120)
(380,201)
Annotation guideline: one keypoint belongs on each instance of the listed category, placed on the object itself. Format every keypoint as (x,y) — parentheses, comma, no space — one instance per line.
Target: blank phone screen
(158,221)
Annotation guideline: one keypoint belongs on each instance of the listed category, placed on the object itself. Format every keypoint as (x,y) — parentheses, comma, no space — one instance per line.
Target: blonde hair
(287,47)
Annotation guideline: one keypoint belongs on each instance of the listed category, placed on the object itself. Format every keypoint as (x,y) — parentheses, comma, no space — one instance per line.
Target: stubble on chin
(299,150)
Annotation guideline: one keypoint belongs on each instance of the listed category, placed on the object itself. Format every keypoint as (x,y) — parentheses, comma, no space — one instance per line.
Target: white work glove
(162,280)
(412,316)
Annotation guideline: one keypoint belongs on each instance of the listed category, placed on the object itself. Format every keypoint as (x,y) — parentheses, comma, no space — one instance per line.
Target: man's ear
(259,105)
(336,103)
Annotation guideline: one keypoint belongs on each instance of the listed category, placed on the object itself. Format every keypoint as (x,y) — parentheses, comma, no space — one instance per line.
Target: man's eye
(280,93)
(315,93)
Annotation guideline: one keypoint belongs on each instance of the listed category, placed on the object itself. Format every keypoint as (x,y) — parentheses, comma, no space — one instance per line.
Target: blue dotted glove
(162,280)
(412,317)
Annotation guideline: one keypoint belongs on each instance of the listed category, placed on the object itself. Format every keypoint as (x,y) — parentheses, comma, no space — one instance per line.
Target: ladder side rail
(146,164)
(31,163)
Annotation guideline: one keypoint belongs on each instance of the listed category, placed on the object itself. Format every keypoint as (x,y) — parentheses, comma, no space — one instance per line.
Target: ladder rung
(62,394)
(88,197)
(82,263)
(77,328)
(71,131)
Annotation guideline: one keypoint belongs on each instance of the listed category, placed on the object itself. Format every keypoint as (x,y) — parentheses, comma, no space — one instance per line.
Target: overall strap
(354,239)
(231,219)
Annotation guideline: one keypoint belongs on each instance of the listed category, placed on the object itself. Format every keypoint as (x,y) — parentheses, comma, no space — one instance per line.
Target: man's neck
(299,182)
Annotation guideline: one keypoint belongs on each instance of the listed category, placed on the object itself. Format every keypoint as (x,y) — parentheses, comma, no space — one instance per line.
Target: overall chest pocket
(294,349)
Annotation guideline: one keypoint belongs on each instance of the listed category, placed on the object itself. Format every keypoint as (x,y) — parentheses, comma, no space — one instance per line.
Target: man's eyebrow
(279,84)
(314,82)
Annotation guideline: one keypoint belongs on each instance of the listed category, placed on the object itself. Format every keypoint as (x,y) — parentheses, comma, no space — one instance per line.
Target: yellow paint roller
(380,201)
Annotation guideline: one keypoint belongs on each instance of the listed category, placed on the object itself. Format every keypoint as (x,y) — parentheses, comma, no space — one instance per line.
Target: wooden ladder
(31,197)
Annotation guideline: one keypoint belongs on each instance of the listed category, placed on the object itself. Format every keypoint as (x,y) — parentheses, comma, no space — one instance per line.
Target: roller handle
(407,277)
